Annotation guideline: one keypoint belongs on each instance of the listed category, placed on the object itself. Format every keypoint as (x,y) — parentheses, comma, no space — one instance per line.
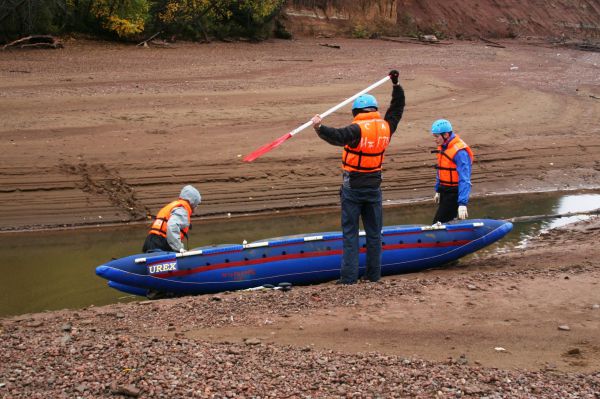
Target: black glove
(394,74)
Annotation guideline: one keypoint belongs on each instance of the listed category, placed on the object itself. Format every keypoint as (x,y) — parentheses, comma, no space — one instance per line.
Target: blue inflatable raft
(298,260)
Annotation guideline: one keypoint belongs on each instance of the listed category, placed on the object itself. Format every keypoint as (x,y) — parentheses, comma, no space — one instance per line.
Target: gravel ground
(102,354)
(142,349)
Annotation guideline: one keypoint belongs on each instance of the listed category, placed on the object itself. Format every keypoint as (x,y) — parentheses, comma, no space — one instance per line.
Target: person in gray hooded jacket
(173,222)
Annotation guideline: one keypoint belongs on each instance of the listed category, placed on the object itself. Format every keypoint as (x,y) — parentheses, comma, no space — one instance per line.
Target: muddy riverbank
(103,133)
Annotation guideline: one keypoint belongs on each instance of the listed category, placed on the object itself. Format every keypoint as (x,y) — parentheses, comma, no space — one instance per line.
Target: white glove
(182,250)
(462,212)
(436,198)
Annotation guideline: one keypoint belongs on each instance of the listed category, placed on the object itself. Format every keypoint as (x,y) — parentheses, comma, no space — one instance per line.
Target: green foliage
(126,18)
(218,18)
(384,27)
(120,18)
(408,25)
(254,18)
(281,32)
(360,31)
(31,17)
(131,19)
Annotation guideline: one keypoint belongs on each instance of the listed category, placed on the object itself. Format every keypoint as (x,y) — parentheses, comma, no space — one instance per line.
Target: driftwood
(160,43)
(584,46)
(589,47)
(491,43)
(424,40)
(576,45)
(552,216)
(295,59)
(145,42)
(429,38)
(330,45)
(35,41)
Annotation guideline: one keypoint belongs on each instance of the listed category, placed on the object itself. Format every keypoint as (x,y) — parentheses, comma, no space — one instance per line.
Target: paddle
(268,147)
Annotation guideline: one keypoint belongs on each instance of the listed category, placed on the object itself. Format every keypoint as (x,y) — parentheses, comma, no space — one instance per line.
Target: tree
(220,18)
(28,17)
(125,18)
(128,19)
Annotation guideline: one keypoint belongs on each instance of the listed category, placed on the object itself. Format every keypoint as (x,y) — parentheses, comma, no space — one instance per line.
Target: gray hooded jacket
(179,217)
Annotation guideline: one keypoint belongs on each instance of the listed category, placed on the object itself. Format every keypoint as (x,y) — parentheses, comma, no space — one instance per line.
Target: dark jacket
(350,135)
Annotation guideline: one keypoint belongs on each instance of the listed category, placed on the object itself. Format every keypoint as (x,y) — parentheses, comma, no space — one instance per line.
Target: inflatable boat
(296,260)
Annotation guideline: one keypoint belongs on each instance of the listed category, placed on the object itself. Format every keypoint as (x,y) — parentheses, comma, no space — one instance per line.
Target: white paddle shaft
(340,105)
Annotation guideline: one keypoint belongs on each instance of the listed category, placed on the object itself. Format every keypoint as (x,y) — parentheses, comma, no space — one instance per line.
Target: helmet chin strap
(357,111)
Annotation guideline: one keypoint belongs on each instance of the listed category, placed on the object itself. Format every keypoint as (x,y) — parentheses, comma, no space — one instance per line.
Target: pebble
(127,390)
(252,341)
(564,327)
(574,351)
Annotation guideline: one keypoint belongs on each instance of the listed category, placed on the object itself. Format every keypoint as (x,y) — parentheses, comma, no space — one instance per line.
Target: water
(55,270)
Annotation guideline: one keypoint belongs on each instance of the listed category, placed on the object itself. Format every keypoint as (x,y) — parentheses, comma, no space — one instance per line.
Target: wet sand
(101,133)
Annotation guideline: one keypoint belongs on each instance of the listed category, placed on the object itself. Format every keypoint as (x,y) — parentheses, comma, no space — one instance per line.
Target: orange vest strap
(159,226)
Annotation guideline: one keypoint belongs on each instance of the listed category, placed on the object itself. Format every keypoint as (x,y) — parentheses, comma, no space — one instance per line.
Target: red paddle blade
(266,148)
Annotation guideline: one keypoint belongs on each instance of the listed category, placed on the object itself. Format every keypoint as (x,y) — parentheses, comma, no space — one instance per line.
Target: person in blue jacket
(453,178)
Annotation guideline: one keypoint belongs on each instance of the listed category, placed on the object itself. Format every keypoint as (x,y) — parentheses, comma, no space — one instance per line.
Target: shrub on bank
(135,19)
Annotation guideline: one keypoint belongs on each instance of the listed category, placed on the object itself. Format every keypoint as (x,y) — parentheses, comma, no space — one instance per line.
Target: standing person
(364,142)
(173,222)
(453,178)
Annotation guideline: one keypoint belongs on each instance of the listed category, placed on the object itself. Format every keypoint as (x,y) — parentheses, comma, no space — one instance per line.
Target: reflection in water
(54,270)
(523,232)
(574,203)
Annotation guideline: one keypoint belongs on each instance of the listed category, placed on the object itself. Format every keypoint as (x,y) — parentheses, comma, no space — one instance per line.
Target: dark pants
(155,243)
(448,208)
(362,203)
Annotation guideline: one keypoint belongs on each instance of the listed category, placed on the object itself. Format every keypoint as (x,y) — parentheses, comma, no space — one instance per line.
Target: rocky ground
(520,325)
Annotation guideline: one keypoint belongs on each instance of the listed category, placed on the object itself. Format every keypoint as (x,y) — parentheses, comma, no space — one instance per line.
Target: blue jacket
(463,168)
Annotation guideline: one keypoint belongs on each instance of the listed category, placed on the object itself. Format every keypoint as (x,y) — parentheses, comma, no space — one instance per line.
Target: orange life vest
(446,167)
(367,156)
(159,226)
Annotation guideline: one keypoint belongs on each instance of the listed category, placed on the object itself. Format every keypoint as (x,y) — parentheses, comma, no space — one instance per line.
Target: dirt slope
(99,133)
(449,18)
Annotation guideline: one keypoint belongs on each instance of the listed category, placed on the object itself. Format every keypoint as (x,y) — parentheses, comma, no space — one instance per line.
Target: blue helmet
(365,101)
(441,126)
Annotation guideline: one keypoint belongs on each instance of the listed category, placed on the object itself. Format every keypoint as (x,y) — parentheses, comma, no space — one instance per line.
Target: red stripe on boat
(228,265)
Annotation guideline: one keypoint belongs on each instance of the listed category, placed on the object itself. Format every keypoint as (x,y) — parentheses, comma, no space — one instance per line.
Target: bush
(129,19)
(217,18)
(360,32)
(32,17)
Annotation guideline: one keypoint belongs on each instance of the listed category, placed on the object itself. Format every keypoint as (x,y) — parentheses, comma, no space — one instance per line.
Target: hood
(190,194)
